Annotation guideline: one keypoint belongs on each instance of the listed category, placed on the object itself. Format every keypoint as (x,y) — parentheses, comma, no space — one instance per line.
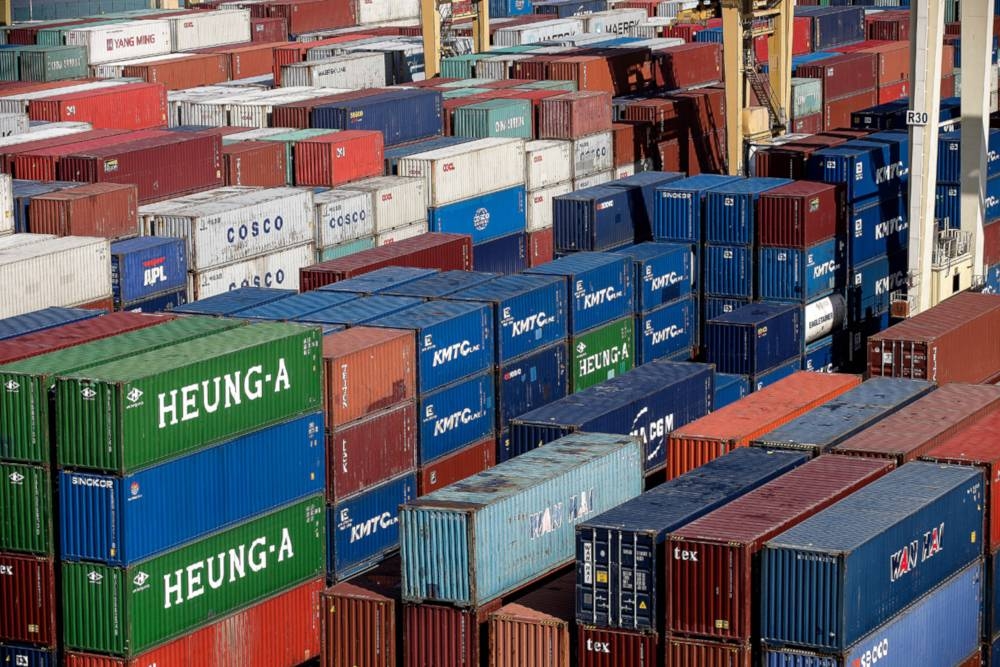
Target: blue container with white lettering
(729,389)
(234,301)
(833,26)
(898,142)
(665,331)
(379,280)
(26,656)
(779,372)
(871,284)
(504,8)
(24,191)
(663,273)
(454,416)
(507,255)
(835,577)
(147,265)
(40,320)
(597,218)
(992,611)
(642,194)
(599,287)
(865,169)
(159,303)
(484,218)
(567,8)
(729,271)
(362,310)
(529,382)
(455,339)
(948,204)
(440,285)
(876,227)
(120,520)
(792,274)
(678,206)
(648,402)
(364,529)
(529,312)
(298,305)
(991,283)
(731,210)
(401,116)
(821,356)
(715,306)
(754,339)
(949,169)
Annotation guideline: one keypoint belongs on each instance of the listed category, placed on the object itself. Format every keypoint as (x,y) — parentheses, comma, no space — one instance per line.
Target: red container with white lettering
(28,600)
(133,106)
(600,647)
(372,450)
(335,159)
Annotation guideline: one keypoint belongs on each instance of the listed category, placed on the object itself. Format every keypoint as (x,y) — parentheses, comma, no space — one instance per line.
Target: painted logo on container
(11,386)
(16,478)
(911,555)
(451,352)
(154,271)
(589,364)
(596,298)
(367,527)
(481,219)
(871,656)
(533,322)
(552,518)
(654,430)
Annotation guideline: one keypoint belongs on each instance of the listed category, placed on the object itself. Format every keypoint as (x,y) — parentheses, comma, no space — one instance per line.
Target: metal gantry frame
(437,15)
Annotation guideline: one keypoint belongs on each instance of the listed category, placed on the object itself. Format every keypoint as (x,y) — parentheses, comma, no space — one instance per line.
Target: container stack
(149,274)
(548,168)
(583,118)
(760,341)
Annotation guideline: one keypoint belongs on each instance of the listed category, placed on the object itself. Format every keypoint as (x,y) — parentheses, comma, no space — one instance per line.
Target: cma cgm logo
(153,271)
(911,555)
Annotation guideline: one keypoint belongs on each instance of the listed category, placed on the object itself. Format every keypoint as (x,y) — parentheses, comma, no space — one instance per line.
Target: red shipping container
(246,61)
(362,620)
(735,425)
(535,97)
(991,243)
(456,466)
(663,114)
(132,106)
(437,636)
(631,69)
(801,35)
(267,30)
(600,647)
(363,453)
(842,76)
(837,114)
(536,629)
(694,653)
(339,158)
(703,111)
(106,304)
(28,600)
(847,133)
(203,69)
(819,140)
(43,164)
(256,163)
(890,25)
(311,15)
(947,86)
(670,157)
(162,167)
(623,139)
(540,247)
(707,154)
(924,424)
(574,115)
(685,31)
(76,333)
(688,65)
(109,210)
(282,631)
(893,92)
(713,596)
(799,214)
(648,5)
(535,68)
(810,124)
(589,72)
(892,61)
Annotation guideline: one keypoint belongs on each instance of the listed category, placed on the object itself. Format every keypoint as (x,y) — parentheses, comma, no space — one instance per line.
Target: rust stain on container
(439,636)
(109,210)
(367,452)
(362,620)
(694,653)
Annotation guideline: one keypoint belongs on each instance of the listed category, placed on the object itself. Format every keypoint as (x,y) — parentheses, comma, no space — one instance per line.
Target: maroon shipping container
(109,210)
(629,70)
(433,250)
(664,114)
(76,333)
(312,15)
(685,31)
(202,69)
(456,466)
(948,86)
(889,25)
(247,61)
(991,243)
(334,159)
(43,164)
(106,304)
(363,453)
(536,629)
(540,247)
(267,30)
(924,424)
(799,214)
(362,620)
(838,113)
(713,573)
(600,647)
(810,124)
(893,92)
(438,636)
(28,600)
(257,163)
(9,153)
(623,139)
(786,161)
(694,653)
(162,167)
(956,341)
(702,111)
(131,106)
(574,115)
(688,65)
(535,68)
(842,76)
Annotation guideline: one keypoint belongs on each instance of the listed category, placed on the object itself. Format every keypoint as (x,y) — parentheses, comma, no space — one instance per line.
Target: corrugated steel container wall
(825,588)
(396,200)
(180,73)
(280,269)
(729,389)
(495,118)
(257,163)
(593,154)
(455,416)
(29,600)
(865,169)
(124,520)
(484,218)
(729,270)
(835,26)
(575,115)
(842,75)
(798,214)
(161,303)
(134,106)
(351,71)
(360,627)
(359,311)
(454,467)
(107,210)
(338,158)
(695,653)
(754,338)
(598,218)
(344,249)
(539,205)
(343,214)
(506,255)
(547,163)
(236,300)
(870,285)
(463,571)
(601,353)
(369,451)
(667,331)
(202,30)
(440,635)
(736,425)
(121,41)
(40,320)
(601,647)
(467,170)
(97,596)
(712,575)
(28,656)
(731,209)
(100,395)
(523,637)
(146,266)
(52,63)
(401,117)
(529,382)
(599,287)
(364,529)
(539,247)
(621,556)
(790,274)
(677,215)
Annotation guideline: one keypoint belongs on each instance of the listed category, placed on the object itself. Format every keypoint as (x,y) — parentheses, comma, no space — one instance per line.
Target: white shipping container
(397,201)
(593,154)
(380,11)
(114,70)
(12,124)
(257,112)
(147,212)
(255,134)
(467,170)
(657,44)
(66,271)
(6,205)
(581,39)
(120,41)
(498,67)
(671,8)
(351,71)
(546,163)
(614,21)
(19,103)
(247,225)
(539,209)
(624,171)
(176,99)
(9,243)
(278,270)
(202,30)
(400,233)
(593,179)
(537,32)
(343,215)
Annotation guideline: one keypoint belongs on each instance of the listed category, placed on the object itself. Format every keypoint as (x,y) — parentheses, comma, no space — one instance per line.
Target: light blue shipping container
(474,541)
(599,287)
(666,330)
(807,97)
(484,218)
(791,274)
(454,416)
(729,271)
(664,272)
(345,249)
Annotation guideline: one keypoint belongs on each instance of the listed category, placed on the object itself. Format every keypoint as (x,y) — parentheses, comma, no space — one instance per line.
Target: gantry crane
(437,18)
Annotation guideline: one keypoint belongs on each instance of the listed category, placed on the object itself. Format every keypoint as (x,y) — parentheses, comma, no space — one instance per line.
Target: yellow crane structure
(437,18)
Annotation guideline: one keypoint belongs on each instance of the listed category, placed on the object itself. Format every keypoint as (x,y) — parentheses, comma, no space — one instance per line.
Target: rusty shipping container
(602,647)
(43,164)
(367,452)
(436,635)
(695,653)
(362,620)
(456,466)
(109,210)
(191,71)
(574,115)
(28,603)
(255,163)
(537,628)
(737,424)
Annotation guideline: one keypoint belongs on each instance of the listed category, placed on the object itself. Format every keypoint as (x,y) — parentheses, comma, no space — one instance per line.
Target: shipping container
(729,271)
(677,215)
(132,106)
(29,600)
(401,116)
(451,468)
(255,163)
(593,154)
(842,75)
(754,338)
(603,647)
(460,172)
(52,63)
(121,41)
(834,26)
(536,628)
(234,301)
(362,620)
(526,383)
(669,331)
(799,214)
(367,452)
(446,635)
(206,29)
(484,218)
(731,209)
(296,306)
(506,255)
(865,169)
(455,416)
(601,353)
(159,303)
(574,115)
(791,274)
(436,285)
(26,496)
(351,71)
(40,320)
(396,201)
(539,247)
(342,215)
(338,158)
(276,270)
(145,266)
(688,65)
(98,209)
(510,118)
(28,656)
(599,287)
(361,310)
(597,218)
(729,389)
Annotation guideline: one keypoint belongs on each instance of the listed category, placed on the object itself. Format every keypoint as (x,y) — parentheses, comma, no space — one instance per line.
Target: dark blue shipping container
(597,218)
(160,303)
(836,576)
(529,312)
(26,656)
(148,265)
(507,255)
(754,338)
(455,339)
(678,207)
(122,520)
(709,35)
(564,8)
(871,284)
(950,160)
(599,287)
(948,204)
(992,610)
(642,195)
(729,389)
(233,302)
(821,356)
(993,659)
(298,305)
(731,210)
(24,191)
(991,283)
(834,26)
(379,280)
(364,529)
(729,270)
(876,227)
(401,116)
(898,142)
(440,285)
(484,218)
(939,629)
(455,415)
(779,372)
(363,310)
(620,558)
(527,383)
(866,170)
(39,320)
(504,8)
(720,305)
(396,153)
(790,274)
(663,273)
(888,116)
(666,330)
(649,402)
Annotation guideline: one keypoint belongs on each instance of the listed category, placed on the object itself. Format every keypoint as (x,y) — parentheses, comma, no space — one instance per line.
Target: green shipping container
(508,119)
(602,353)
(461,67)
(9,59)
(807,97)
(135,412)
(25,509)
(53,63)
(569,86)
(463,92)
(345,249)
(124,611)
(26,385)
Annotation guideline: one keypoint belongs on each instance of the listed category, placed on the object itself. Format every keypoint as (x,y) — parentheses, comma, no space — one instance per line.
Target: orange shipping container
(361,620)
(133,106)
(537,629)
(737,424)
(589,72)
(200,69)
(334,159)
(255,163)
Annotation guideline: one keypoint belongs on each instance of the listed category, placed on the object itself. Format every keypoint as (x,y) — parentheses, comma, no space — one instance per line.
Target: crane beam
(977,38)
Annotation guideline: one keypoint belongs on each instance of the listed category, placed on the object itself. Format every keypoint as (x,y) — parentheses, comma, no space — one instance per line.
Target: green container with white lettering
(124,611)
(25,509)
(53,63)
(508,119)
(602,353)
(26,386)
(135,412)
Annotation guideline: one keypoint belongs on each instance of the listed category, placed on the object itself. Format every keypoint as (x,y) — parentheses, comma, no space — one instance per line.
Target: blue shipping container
(298,305)
(454,416)
(379,280)
(779,372)
(729,270)
(666,330)
(234,301)
(362,310)
(871,284)
(121,520)
(790,274)
(642,194)
(364,529)
(754,338)
(950,161)
(620,556)
(401,116)
(26,656)
(834,26)
(714,306)
(866,170)
(484,218)
(677,213)
(160,303)
(599,287)
(729,389)
(565,8)
(991,612)
(507,255)
(821,356)
(948,204)
(876,227)
(440,285)
(47,318)
(663,273)
(597,218)
(527,383)
(504,8)
(148,265)
(731,210)
(835,577)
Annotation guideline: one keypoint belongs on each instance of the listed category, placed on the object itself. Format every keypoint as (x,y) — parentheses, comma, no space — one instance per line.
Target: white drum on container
(547,162)
(66,271)
(823,317)
(539,208)
(121,41)
(343,215)
(467,170)
(279,270)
